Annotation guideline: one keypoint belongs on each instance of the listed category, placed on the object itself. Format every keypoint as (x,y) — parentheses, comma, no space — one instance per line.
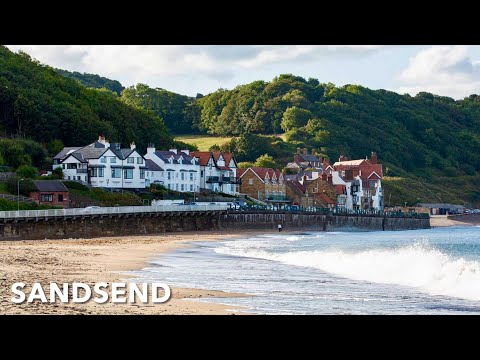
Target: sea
(434,271)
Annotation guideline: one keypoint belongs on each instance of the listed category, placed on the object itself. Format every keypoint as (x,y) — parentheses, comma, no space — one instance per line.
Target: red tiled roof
(296,186)
(240,172)
(339,189)
(326,198)
(224,168)
(262,172)
(227,156)
(203,156)
(216,155)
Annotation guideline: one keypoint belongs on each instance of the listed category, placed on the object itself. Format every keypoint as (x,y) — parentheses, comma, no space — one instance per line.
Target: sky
(447,70)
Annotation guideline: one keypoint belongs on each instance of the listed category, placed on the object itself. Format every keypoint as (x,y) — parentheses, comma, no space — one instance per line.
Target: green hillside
(38,103)
(93,80)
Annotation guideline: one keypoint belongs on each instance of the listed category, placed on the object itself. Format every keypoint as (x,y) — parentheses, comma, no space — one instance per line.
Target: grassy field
(204,142)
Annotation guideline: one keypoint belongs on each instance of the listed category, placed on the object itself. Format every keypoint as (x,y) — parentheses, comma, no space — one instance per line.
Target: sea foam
(418,265)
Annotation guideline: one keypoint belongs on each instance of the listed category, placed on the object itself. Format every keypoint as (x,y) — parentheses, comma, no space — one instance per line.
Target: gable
(250,173)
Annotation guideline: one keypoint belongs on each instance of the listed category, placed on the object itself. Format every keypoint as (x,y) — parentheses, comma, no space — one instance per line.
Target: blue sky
(448,70)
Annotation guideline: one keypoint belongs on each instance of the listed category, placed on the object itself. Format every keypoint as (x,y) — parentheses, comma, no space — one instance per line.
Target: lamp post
(18,194)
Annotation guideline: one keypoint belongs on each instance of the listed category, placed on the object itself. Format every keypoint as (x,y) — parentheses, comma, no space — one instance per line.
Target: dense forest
(93,80)
(38,103)
(180,113)
(409,133)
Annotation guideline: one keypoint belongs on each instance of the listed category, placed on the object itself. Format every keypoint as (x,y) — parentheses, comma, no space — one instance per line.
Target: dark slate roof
(441,206)
(309,158)
(50,185)
(98,145)
(126,152)
(152,166)
(65,151)
(165,155)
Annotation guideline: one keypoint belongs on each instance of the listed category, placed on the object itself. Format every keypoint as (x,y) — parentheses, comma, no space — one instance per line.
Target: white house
(218,171)
(181,171)
(361,181)
(102,164)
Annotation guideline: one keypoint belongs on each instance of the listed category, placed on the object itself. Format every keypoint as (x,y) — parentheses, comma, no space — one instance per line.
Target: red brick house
(50,192)
(264,184)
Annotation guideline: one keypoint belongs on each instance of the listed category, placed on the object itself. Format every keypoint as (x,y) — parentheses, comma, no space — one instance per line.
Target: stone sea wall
(142,224)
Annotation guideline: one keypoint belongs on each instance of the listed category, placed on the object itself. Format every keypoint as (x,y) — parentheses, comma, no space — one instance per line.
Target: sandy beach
(442,221)
(98,260)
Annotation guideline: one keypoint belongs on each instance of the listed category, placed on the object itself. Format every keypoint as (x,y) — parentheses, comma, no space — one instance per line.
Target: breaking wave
(418,265)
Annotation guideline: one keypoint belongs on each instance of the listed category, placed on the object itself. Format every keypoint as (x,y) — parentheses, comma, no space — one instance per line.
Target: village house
(302,160)
(176,169)
(50,192)
(218,171)
(102,164)
(318,191)
(358,183)
(264,184)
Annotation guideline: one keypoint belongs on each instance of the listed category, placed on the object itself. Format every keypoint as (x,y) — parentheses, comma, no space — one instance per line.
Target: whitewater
(435,271)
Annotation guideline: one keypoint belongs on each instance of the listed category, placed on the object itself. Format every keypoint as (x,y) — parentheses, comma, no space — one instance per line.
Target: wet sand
(99,260)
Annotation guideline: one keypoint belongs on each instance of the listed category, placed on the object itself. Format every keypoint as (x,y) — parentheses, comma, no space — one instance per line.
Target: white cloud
(442,70)
(158,65)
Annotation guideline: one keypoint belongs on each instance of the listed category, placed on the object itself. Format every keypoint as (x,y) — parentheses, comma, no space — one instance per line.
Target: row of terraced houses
(311,181)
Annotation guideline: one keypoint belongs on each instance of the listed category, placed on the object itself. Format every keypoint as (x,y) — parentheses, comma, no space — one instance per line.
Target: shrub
(26,171)
(75,185)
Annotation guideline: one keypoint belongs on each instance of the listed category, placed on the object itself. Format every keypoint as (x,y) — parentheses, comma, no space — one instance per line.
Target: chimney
(326,162)
(115,146)
(186,151)
(329,178)
(343,158)
(298,151)
(173,150)
(373,158)
(132,145)
(101,139)
(305,151)
(324,177)
(150,148)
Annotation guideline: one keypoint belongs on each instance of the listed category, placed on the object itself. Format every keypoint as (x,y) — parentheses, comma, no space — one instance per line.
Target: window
(100,172)
(183,177)
(142,174)
(94,172)
(182,187)
(169,186)
(139,160)
(176,175)
(130,160)
(60,198)
(116,173)
(250,181)
(201,173)
(176,187)
(191,187)
(79,178)
(71,166)
(63,166)
(128,173)
(69,178)
(103,159)
(314,190)
(231,188)
(113,159)
(47,197)
(191,176)
(169,177)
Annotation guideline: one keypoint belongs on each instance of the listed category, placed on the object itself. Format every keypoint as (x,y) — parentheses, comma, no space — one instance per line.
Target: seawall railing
(329,211)
(52,213)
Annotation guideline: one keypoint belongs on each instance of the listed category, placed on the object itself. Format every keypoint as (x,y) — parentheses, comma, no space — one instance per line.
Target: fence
(15,198)
(329,211)
(52,213)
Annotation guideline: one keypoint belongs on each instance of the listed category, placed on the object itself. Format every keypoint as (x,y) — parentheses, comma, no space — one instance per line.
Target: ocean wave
(418,265)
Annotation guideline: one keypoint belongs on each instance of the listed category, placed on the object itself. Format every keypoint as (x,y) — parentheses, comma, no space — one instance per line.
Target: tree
(25,171)
(295,117)
(245,165)
(266,161)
